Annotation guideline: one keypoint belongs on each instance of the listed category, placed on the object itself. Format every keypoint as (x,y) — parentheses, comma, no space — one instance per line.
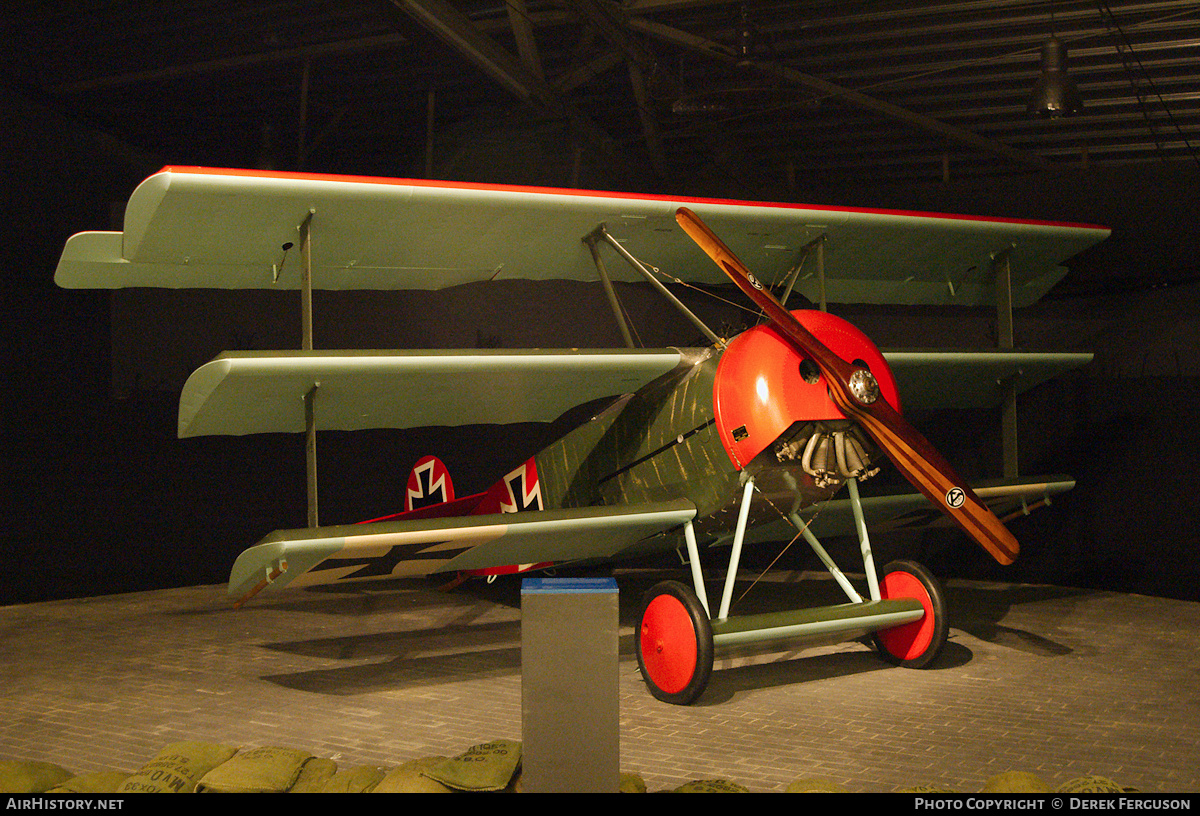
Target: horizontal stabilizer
(233,229)
(359,552)
(259,392)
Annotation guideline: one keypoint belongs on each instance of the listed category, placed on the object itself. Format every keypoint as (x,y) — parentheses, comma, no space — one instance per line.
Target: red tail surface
(430,494)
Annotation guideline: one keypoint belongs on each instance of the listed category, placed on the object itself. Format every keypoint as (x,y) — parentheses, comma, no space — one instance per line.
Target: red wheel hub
(909,640)
(668,642)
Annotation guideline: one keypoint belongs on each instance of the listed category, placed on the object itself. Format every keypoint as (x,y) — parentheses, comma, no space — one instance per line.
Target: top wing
(207,228)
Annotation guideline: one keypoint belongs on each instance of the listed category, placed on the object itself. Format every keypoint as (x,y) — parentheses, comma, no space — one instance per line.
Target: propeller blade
(855,392)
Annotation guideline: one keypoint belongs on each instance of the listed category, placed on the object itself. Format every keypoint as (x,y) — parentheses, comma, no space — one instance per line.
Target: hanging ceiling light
(747,42)
(1055,93)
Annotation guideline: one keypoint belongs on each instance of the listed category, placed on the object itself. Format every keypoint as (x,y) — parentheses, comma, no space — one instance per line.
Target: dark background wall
(101,497)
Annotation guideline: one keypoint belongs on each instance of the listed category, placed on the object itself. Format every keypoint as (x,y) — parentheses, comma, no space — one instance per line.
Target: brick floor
(1059,682)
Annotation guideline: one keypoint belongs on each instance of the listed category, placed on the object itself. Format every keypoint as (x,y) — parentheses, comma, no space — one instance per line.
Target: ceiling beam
(606,20)
(455,29)
(721,53)
(582,74)
(522,29)
(650,130)
(170,72)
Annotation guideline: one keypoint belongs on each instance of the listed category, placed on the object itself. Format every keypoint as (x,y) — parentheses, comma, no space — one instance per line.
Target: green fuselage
(657,444)
(660,444)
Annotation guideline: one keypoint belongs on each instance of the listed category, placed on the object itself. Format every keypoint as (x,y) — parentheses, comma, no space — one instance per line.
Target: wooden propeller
(855,392)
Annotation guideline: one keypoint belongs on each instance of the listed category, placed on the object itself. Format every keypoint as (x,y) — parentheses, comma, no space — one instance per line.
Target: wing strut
(1002,268)
(310,452)
(602,233)
(814,247)
(306,343)
(590,240)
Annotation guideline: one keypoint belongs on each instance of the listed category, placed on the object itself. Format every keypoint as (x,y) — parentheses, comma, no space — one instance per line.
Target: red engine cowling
(764,385)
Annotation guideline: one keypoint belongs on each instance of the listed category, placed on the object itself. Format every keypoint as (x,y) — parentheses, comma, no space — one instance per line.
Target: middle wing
(358,552)
(257,392)
(244,392)
(968,379)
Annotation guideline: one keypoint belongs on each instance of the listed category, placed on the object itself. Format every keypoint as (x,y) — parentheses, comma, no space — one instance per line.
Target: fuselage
(749,408)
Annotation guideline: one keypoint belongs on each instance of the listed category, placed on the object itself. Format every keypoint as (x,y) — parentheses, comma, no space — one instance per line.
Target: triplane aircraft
(688,447)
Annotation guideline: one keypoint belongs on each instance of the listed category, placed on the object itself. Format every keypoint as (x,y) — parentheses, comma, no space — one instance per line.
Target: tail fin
(429,483)
(430,493)
(517,491)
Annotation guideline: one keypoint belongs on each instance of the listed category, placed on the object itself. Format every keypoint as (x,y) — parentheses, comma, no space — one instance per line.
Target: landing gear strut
(676,636)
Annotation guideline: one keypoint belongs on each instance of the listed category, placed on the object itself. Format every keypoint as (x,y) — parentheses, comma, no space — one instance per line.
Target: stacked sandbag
(711,786)
(30,776)
(631,783)
(178,768)
(202,767)
(315,775)
(490,766)
(411,778)
(92,783)
(269,769)
(360,779)
(1016,782)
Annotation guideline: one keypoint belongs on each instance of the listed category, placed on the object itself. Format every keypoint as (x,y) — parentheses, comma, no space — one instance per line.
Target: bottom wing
(911,510)
(358,552)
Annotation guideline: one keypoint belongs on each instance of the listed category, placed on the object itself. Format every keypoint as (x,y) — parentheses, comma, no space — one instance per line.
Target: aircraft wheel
(674,643)
(916,644)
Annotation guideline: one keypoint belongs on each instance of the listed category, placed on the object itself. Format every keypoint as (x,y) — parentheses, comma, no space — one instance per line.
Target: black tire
(917,644)
(674,643)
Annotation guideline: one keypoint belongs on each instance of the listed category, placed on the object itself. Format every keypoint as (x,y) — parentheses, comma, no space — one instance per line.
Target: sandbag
(631,783)
(711,786)
(269,769)
(178,768)
(30,776)
(315,774)
(1090,784)
(410,778)
(362,779)
(925,789)
(1015,782)
(96,782)
(489,766)
(815,785)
